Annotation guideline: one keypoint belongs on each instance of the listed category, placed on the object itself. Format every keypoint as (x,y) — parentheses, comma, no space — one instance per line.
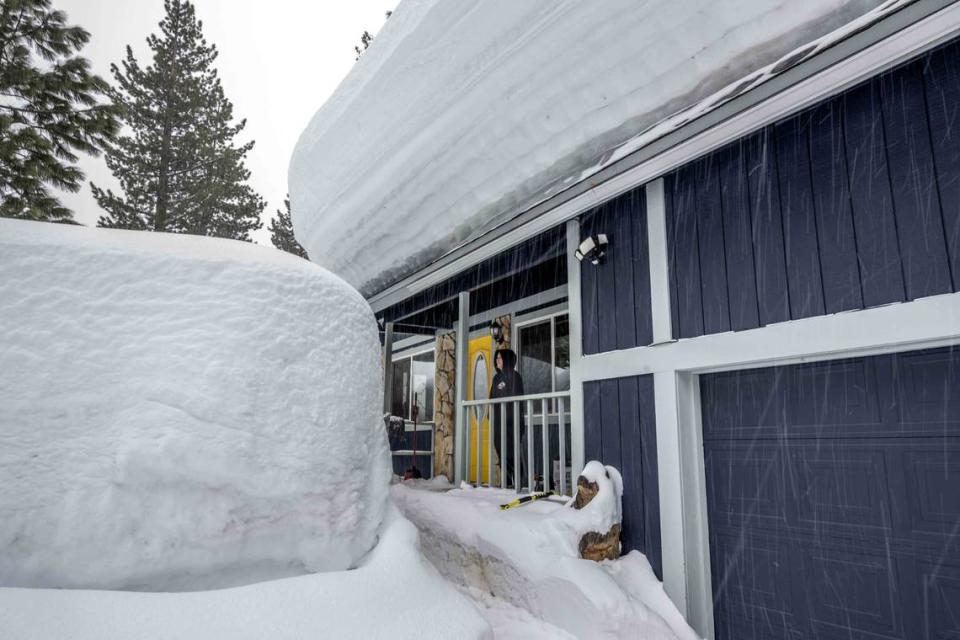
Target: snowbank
(529,557)
(181,412)
(462,113)
(394,594)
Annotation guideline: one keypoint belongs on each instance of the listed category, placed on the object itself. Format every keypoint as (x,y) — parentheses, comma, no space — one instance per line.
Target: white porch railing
(546,414)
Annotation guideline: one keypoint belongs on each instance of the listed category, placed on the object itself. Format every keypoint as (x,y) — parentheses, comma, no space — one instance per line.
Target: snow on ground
(528,557)
(395,593)
(469,112)
(180,413)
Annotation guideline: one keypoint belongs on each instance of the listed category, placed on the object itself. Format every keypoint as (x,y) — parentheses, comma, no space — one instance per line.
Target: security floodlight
(593,249)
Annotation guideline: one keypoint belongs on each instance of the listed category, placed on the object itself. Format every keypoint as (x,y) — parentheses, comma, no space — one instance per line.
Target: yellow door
(479,378)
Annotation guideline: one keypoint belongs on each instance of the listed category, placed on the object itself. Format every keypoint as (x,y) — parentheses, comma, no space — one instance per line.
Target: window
(413,379)
(424,370)
(544,352)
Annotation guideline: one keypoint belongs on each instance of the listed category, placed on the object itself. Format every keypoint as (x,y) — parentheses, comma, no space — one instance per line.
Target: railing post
(575,320)
(503,446)
(546,444)
(516,446)
(479,453)
(563,446)
(490,421)
(462,425)
(530,446)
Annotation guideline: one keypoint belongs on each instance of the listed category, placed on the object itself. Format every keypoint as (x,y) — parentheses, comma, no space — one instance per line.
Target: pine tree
(179,168)
(281,232)
(366,38)
(51,108)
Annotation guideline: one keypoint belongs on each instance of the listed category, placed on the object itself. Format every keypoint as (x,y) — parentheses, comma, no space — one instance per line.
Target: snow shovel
(519,502)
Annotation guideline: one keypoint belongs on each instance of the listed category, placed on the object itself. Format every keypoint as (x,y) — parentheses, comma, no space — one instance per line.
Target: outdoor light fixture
(593,249)
(496,330)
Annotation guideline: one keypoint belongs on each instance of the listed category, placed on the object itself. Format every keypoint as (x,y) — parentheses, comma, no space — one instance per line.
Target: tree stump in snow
(601,546)
(585,492)
(594,545)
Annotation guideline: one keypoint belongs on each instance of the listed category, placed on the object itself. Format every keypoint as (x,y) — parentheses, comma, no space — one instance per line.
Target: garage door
(833,494)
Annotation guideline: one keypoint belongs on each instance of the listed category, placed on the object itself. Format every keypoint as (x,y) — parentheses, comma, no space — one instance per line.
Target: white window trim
(517,344)
(410,355)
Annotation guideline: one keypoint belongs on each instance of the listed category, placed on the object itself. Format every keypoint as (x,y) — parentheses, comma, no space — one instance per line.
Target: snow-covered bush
(181,412)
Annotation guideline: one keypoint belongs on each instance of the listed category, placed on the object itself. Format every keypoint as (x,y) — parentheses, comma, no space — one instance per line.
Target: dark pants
(508,457)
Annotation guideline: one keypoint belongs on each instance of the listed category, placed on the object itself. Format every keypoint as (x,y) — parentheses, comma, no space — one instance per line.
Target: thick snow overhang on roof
(463,115)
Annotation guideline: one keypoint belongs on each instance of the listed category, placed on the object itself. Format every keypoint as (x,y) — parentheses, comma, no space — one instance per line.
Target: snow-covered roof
(463,114)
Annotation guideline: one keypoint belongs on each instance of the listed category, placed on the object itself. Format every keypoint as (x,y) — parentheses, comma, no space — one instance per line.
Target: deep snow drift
(394,594)
(464,112)
(181,413)
(529,557)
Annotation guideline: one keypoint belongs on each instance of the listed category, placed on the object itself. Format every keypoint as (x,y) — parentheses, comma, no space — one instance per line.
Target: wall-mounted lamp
(496,330)
(593,249)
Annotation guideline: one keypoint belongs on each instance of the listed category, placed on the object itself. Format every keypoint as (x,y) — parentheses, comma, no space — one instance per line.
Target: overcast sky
(279,61)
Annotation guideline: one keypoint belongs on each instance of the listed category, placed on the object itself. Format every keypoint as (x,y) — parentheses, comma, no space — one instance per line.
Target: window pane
(423,374)
(400,398)
(535,358)
(562,354)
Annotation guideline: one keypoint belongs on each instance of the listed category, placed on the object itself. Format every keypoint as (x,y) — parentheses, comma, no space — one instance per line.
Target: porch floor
(522,565)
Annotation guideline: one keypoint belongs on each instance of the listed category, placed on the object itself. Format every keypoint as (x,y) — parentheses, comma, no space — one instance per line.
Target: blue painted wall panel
(713,263)
(772,293)
(941,75)
(738,240)
(840,270)
(592,423)
(615,295)
(685,271)
(621,247)
(641,270)
(800,241)
(915,197)
(650,476)
(881,271)
(620,430)
(852,203)
(607,311)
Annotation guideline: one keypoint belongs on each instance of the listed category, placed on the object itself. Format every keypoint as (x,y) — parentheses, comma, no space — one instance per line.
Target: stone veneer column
(444,402)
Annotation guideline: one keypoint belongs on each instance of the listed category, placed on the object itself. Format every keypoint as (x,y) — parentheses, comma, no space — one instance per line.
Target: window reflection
(423,375)
(535,365)
(413,384)
(544,351)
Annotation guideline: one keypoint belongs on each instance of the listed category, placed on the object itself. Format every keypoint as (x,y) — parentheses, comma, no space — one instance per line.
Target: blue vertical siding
(737,239)
(713,263)
(615,295)
(941,77)
(881,273)
(620,430)
(802,253)
(850,204)
(832,207)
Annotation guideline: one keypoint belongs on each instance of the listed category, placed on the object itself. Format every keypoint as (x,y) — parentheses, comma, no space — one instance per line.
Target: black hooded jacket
(506,382)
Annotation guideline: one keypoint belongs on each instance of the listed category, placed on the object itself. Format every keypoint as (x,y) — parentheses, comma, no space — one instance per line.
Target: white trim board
(928,322)
(895,39)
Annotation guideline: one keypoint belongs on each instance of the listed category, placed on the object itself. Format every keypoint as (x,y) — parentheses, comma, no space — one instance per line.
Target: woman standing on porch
(506,383)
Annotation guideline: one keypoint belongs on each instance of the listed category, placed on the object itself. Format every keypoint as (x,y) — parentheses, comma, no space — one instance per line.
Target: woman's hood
(509,359)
